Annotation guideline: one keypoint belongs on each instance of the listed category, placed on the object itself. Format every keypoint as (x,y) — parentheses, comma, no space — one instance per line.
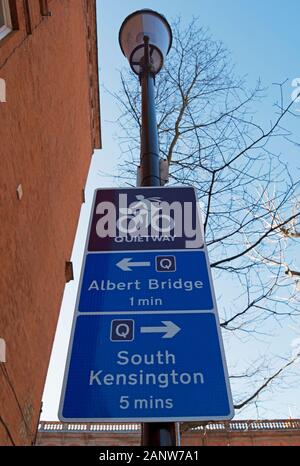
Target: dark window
(5,18)
(44,8)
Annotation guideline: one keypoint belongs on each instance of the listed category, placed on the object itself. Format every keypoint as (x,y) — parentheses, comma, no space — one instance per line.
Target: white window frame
(7,27)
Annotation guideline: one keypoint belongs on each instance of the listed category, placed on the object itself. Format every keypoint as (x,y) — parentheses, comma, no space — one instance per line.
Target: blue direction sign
(146,368)
(146,342)
(120,282)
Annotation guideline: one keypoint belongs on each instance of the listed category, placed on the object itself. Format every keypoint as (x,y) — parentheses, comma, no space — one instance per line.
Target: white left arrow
(126,264)
(170,329)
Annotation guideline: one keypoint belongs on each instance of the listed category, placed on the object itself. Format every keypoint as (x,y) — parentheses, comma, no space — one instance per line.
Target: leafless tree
(212,133)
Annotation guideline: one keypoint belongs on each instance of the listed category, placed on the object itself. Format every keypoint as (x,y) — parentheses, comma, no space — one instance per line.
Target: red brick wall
(261,438)
(88,439)
(233,433)
(267,438)
(48,131)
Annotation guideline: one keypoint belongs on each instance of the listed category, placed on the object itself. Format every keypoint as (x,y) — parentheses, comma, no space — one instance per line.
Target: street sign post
(146,344)
(145,219)
(146,368)
(142,281)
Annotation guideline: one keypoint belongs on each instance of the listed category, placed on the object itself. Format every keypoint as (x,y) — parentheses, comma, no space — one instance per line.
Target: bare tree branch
(212,135)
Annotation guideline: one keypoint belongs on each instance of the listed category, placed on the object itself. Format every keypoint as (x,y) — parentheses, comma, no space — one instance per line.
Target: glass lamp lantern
(137,26)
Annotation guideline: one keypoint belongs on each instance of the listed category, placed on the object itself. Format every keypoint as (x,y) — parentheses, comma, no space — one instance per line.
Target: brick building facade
(49,128)
(233,433)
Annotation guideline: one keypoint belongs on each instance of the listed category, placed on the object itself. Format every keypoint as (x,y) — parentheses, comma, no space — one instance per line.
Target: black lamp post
(145,39)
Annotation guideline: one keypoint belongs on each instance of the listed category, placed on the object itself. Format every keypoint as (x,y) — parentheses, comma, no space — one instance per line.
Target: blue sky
(263,38)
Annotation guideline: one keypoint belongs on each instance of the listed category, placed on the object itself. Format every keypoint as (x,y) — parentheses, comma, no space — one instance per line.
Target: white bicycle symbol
(142,214)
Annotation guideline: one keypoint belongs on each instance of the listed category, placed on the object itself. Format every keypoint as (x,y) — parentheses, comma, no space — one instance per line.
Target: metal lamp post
(145,39)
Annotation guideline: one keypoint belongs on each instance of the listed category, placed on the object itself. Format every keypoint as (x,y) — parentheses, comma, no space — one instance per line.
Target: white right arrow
(170,329)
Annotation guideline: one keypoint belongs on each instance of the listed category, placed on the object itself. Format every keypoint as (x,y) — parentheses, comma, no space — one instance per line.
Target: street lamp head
(152,25)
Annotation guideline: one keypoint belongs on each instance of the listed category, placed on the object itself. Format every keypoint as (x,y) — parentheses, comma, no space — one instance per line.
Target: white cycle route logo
(148,217)
(136,219)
